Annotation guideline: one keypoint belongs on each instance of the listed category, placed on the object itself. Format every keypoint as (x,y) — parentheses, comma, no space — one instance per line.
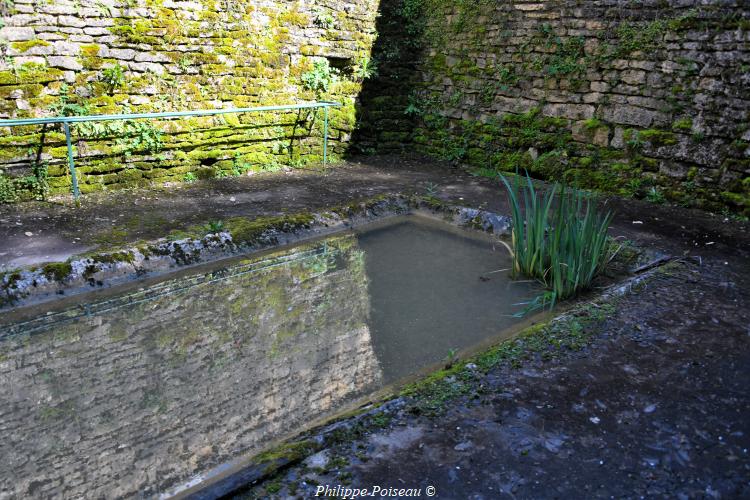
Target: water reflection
(134,395)
(434,290)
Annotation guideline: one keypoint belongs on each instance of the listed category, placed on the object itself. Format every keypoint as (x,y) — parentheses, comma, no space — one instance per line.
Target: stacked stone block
(139,398)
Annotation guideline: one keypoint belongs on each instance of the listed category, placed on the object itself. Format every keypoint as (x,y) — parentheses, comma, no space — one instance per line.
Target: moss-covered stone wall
(646,98)
(75,57)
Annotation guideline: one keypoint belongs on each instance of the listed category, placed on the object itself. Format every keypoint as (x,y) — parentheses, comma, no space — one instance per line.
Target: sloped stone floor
(37,232)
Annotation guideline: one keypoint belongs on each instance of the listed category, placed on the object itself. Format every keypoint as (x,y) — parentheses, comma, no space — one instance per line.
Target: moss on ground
(249,231)
(57,271)
(11,279)
(279,457)
(360,206)
(114,257)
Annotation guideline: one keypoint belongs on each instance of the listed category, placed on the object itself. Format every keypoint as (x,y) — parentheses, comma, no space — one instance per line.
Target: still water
(133,394)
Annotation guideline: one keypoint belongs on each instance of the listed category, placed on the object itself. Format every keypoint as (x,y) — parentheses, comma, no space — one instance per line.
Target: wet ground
(655,405)
(38,232)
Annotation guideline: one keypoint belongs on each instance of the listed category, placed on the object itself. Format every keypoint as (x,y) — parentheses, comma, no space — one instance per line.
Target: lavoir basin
(138,392)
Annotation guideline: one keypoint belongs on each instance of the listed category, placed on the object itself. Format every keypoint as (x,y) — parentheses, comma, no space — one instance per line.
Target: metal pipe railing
(67,120)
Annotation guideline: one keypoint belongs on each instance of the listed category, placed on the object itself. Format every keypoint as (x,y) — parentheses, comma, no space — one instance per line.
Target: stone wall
(646,98)
(76,57)
(146,390)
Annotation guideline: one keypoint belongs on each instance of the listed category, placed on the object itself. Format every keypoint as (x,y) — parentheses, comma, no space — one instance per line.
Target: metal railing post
(325,135)
(71,162)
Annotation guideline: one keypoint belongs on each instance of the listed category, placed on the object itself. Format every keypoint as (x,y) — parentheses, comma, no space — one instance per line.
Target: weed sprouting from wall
(320,78)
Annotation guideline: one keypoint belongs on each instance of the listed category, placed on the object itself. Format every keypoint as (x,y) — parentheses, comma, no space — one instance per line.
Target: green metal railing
(67,120)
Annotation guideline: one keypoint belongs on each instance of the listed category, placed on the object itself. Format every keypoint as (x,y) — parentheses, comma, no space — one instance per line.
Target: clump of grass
(559,237)
(214,226)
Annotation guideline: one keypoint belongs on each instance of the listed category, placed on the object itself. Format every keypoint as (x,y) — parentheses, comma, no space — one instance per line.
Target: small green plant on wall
(140,135)
(364,68)
(67,105)
(7,189)
(320,78)
(280,148)
(104,9)
(5,8)
(113,77)
(419,104)
(655,196)
(324,19)
(130,136)
(32,186)
(184,63)
(239,165)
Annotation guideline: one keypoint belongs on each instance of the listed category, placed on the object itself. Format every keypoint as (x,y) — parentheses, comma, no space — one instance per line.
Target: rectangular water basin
(144,390)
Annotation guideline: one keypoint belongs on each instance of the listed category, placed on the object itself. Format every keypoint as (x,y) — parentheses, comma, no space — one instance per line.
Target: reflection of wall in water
(141,397)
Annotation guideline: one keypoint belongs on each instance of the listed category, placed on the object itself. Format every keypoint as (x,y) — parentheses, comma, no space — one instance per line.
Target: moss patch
(57,271)
(111,258)
(29,44)
(250,231)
